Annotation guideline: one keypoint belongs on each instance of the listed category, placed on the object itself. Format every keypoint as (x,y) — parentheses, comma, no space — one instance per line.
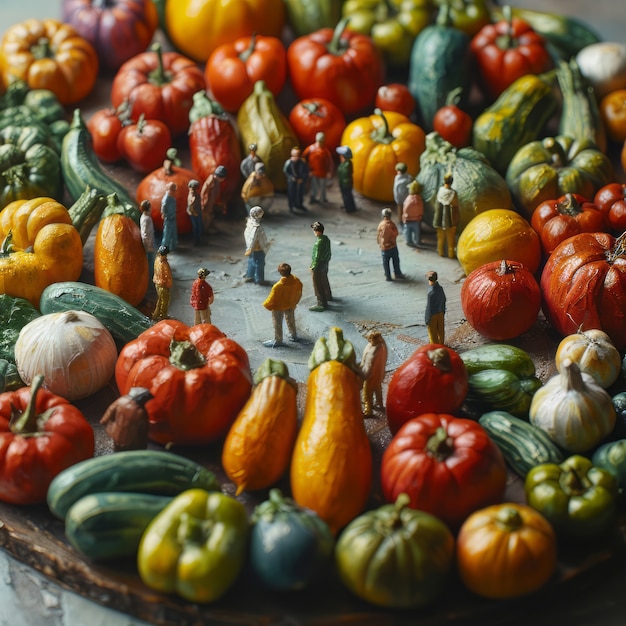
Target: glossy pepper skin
(306,16)
(576,497)
(41,434)
(340,65)
(199,378)
(196,546)
(378,142)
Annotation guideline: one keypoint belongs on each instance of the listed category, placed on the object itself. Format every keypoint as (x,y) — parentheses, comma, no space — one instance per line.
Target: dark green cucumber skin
(498,356)
(109,525)
(523,445)
(123,321)
(142,471)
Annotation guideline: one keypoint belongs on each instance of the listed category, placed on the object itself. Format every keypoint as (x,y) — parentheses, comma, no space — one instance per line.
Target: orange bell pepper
(378,143)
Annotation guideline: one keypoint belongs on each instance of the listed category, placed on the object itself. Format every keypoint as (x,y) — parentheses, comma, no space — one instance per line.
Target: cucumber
(523,445)
(81,168)
(109,525)
(86,211)
(493,387)
(498,356)
(142,471)
(122,320)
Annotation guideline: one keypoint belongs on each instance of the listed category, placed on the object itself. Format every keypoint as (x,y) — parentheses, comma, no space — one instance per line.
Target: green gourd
(439,63)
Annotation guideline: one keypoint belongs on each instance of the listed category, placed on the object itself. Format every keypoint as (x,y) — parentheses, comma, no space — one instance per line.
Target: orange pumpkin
(120,261)
(331,466)
(47,54)
(498,234)
(258,446)
(506,550)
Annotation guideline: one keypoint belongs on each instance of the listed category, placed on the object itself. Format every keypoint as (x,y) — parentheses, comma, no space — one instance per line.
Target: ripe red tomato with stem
(144,144)
(395,97)
(105,126)
(453,123)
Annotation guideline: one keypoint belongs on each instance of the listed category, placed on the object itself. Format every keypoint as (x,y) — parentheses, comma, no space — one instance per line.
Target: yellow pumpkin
(498,234)
(39,246)
(594,353)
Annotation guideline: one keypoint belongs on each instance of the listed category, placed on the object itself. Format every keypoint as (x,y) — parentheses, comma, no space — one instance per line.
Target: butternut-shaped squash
(331,466)
(258,446)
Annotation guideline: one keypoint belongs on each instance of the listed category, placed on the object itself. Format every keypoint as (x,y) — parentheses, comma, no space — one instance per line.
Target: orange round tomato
(613,113)
(395,97)
(198,27)
(47,54)
(233,68)
(506,550)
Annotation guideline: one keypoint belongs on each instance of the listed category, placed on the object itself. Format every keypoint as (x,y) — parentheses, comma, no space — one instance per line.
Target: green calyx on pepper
(578,498)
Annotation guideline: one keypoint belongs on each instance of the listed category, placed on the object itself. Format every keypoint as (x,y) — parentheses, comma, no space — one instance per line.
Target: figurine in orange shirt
(201,298)
(320,161)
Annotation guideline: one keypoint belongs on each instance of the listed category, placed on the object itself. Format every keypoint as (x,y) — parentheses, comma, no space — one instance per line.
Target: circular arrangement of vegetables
(392,520)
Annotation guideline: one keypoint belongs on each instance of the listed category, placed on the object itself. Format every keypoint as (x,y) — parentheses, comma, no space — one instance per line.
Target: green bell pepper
(196,546)
(392,24)
(307,16)
(469,16)
(576,497)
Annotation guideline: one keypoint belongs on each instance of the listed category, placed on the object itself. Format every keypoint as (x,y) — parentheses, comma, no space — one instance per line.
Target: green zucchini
(493,387)
(123,321)
(523,445)
(109,525)
(87,211)
(143,471)
(498,356)
(515,118)
(580,115)
(81,168)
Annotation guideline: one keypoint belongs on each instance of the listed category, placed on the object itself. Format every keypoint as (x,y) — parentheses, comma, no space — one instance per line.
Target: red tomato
(233,68)
(315,115)
(105,126)
(144,144)
(395,97)
(432,380)
(447,465)
(501,300)
(556,220)
(454,124)
(611,200)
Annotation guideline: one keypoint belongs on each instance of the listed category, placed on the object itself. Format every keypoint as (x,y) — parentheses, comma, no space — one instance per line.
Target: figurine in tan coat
(373,363)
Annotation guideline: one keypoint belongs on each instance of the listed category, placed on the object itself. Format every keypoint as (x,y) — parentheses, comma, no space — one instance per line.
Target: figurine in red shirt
(201,298)
(320,161)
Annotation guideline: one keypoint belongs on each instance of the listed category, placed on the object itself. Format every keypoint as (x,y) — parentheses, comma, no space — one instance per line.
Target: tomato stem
(159,76)
(313,108)
(569,205)
(509,518)
(245,55)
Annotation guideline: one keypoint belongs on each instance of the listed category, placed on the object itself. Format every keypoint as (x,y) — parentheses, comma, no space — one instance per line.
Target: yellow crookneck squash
(39,246)
(331,466)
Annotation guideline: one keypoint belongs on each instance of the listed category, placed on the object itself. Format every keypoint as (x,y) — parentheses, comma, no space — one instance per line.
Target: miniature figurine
(320,161)
(446,217)
(201,298)
(168,213)
(258,189)
(296,171)
(345,178)
(412,215)
(210,197)
(373,363)
(401,186)
(126,420)
(249,162)
(386,236)
(282,302)
(435,309)
(146,227)
(256,247)
(163,282)
(319,268)
(194,210)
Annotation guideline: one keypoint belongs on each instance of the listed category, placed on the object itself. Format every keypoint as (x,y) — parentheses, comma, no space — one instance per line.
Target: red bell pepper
(200,380)
(213,141)
(159,85)
(342,66)
(507,50)
(41,434)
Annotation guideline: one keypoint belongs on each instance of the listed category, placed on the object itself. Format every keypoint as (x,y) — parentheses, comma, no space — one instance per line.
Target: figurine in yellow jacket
(282,302)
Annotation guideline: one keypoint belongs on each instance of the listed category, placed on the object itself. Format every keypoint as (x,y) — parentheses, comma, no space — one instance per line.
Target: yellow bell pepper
(39,246)
(378,143)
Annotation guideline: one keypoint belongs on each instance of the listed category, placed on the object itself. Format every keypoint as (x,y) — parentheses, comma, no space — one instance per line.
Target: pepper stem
(26,423)
(158,76)
(382,133)
(440,446)
(335,46)
(185,356)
